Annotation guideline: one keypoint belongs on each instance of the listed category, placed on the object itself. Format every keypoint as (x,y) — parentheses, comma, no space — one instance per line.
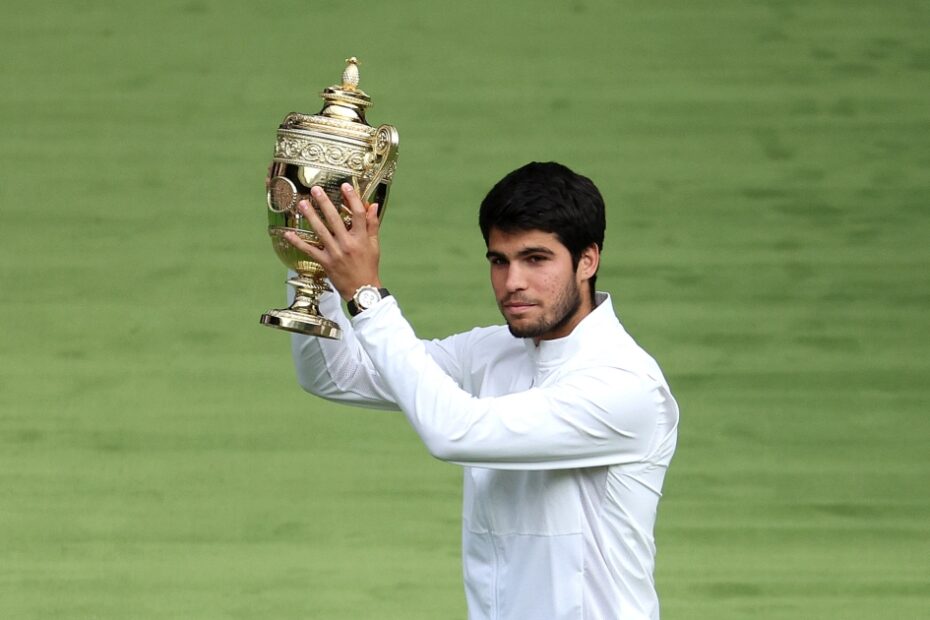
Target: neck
(568,324)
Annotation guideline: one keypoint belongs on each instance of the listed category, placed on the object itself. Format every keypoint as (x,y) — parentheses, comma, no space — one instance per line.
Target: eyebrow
(524,252)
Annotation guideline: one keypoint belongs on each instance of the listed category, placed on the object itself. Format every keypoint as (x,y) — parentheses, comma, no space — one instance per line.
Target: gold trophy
(328,149)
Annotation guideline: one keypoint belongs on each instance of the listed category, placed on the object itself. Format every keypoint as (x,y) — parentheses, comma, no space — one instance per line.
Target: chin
(525,331)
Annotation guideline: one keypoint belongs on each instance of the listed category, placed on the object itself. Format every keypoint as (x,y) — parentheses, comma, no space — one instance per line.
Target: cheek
(558,286)
(551,279)
(498,280)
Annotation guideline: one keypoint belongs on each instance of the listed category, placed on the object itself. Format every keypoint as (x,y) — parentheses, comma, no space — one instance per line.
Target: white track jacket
(565,447)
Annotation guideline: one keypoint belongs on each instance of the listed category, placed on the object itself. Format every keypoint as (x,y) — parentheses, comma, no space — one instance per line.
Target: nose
(516,278)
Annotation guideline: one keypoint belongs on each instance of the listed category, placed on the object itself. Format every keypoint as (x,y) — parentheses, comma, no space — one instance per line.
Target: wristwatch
(365,297)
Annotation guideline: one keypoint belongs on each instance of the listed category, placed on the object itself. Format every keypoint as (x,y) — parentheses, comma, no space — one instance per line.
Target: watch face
(367,297)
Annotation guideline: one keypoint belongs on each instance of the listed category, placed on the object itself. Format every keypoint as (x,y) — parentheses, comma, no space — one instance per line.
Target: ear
(588,262)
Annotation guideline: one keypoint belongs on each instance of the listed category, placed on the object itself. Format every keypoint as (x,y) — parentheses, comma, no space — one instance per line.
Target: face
(538,291)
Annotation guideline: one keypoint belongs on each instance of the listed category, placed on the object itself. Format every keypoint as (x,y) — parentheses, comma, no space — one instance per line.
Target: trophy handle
(386,140)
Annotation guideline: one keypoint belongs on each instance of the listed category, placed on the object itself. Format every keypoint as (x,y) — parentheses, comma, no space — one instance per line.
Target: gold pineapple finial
(350,75)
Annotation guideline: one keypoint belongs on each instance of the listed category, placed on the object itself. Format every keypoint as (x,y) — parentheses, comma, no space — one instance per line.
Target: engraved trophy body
(327,149)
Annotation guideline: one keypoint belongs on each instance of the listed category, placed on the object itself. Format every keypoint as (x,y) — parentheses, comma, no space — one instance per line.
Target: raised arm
(593,416)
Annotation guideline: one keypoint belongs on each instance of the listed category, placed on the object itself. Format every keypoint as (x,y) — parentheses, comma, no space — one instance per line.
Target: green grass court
(766,166)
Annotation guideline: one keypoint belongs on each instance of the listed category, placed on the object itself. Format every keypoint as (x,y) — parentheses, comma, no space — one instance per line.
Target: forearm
(601,417)
(338,370)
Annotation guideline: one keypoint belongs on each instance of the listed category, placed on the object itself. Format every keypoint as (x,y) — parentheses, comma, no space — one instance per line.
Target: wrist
(364,297)
(348,291)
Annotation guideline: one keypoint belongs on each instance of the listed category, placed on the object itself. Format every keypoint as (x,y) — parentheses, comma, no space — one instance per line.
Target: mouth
(517,307)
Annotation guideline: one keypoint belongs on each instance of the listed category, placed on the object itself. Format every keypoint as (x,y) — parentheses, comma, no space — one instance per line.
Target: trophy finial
(346,101)
(350,75)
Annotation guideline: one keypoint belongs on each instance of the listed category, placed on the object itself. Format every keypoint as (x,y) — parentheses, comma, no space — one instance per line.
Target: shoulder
(611,346)
(480,353)
(478,335)
(481,343)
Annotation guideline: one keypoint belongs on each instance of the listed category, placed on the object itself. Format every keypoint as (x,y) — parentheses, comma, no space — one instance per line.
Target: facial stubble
(565,309)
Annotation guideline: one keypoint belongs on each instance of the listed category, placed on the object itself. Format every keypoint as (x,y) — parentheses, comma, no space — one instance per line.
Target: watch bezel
(358,304)
(367,296)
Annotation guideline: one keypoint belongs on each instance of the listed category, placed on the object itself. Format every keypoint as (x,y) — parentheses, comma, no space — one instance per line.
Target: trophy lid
(346,101)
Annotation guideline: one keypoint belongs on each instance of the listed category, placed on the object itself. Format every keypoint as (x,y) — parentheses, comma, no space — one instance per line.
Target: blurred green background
(766,166)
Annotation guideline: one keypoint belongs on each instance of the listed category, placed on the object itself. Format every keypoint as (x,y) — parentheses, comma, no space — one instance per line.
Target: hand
(349,255)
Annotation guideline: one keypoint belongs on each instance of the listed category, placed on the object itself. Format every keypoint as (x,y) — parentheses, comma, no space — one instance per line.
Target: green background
(766,166)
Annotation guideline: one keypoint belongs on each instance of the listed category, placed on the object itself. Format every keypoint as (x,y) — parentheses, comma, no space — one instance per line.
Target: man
(564,424)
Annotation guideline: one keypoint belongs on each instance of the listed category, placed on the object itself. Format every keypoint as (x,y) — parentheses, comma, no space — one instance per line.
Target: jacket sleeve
(595,416)
(341,371)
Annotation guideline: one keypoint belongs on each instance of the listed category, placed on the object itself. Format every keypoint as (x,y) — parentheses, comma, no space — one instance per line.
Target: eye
(536,258)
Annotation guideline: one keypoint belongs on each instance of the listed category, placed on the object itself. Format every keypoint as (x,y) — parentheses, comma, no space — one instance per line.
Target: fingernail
(316,191)
(346,187)
(304,205)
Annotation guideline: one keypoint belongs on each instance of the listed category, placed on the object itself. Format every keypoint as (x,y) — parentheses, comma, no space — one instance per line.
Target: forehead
(514,242)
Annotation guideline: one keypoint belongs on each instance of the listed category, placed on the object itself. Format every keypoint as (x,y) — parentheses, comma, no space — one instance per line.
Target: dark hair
(551,198)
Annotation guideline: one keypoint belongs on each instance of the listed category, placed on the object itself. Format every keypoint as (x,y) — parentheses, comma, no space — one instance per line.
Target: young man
(564,424)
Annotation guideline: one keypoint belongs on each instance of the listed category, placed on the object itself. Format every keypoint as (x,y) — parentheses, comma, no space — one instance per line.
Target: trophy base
(302,323)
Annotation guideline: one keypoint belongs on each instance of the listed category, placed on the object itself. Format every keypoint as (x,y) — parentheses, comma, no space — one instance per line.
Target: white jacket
(565,447)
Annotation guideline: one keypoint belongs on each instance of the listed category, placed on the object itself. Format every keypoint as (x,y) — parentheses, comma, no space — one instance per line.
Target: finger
(330,214)
(356,206)
(313,218)
(309,249)
(372,221)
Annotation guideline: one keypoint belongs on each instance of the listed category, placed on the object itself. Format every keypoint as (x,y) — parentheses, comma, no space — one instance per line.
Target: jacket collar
(598,321)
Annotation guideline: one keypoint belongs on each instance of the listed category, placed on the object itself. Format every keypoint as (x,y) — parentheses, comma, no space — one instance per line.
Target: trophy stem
(303,315)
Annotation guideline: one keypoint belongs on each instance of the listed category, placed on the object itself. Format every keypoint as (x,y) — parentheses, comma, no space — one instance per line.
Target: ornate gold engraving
(310,151)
